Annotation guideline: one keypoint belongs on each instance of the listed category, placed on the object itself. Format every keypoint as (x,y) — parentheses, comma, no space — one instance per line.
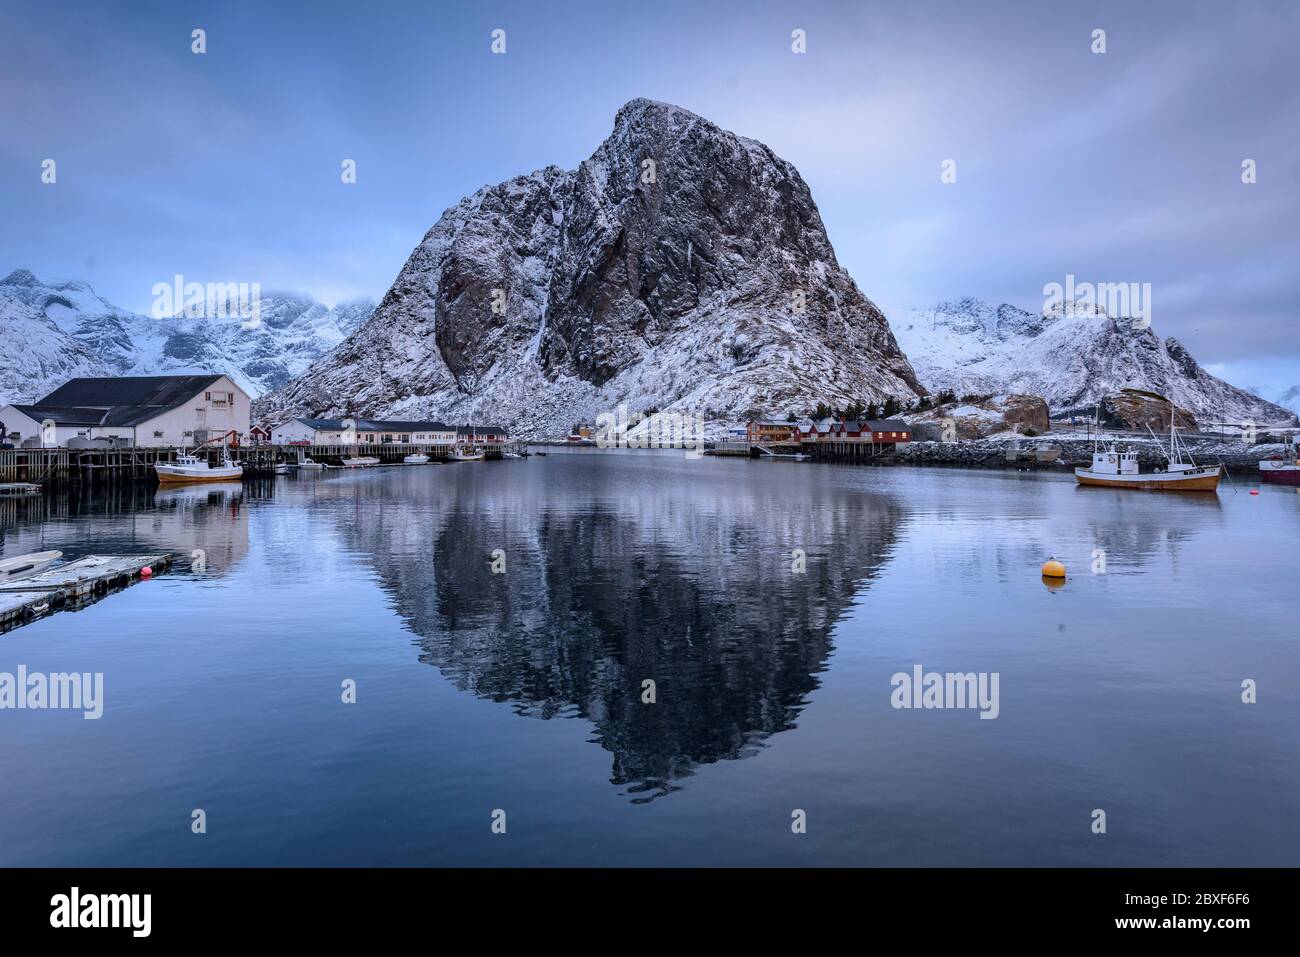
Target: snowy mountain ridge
(1071,358)
(53,330)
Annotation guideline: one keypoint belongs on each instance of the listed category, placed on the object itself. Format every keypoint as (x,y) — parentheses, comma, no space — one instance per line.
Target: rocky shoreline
(1240,458)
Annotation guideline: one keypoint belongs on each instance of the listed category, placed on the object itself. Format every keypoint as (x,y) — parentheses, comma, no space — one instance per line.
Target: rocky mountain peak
(19,277)
(679,267)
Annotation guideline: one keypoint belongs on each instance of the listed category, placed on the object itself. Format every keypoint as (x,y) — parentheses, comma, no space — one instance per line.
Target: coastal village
(129,425)
(134,426)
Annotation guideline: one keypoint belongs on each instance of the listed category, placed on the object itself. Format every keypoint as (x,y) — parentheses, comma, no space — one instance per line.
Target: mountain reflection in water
(613,582)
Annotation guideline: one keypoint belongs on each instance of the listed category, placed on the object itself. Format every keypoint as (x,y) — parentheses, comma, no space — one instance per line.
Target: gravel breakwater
(1240,458)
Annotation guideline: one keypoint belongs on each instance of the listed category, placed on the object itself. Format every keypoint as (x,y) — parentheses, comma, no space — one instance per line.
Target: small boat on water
(284,468)
(1112,468)
(1282,469)
(419,458)
(360,462)
(307,463)
(24,566)
(463,454)
(188,468)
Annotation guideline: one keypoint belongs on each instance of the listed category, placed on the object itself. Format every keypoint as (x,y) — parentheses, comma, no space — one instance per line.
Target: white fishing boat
(24,566)
(188,468)
(1112,468)
(360,462)
(463,454)
(418,458)
(307,463)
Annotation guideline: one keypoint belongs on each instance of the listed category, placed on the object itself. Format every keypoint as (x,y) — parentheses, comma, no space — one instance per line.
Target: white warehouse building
(143,411)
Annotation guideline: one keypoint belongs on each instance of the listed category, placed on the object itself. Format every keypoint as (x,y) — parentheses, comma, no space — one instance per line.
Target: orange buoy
(1053,569)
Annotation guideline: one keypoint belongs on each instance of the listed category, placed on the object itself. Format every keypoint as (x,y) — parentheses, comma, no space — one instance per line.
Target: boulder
(1139,410)
(979,417)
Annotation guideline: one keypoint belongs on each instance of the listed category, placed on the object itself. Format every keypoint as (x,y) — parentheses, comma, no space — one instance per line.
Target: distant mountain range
(53,330)
(1071,358)
(1288,398)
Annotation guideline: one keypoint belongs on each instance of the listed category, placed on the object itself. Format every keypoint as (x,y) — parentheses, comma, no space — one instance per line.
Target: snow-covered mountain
(1072,358)
(681,267)
(1289,398)
(36,355)
(53,330)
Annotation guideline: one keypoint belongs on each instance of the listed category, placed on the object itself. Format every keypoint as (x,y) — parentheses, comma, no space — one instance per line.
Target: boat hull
(1206,481)
(25,566)
(170,476)
(1279,474)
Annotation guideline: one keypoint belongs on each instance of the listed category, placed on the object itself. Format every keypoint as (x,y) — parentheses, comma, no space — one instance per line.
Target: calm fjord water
(522,691)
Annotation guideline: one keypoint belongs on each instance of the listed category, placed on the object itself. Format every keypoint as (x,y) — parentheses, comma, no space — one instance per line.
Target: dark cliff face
(672,212)
(664,271)
(501,248)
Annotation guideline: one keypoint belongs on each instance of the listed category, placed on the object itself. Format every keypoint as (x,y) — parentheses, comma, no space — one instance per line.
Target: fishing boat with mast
(1112,468)
(191,468)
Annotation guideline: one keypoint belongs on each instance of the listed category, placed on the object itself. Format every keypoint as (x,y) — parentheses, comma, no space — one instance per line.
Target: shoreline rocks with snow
(1076,449)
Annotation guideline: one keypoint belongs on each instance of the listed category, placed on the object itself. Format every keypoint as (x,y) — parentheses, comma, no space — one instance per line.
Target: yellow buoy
(1053,569)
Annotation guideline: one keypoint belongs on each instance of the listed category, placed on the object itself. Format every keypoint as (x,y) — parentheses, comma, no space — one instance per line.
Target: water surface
(522,691)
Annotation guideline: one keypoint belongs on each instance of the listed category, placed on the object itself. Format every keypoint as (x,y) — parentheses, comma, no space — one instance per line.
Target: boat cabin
(1115,463)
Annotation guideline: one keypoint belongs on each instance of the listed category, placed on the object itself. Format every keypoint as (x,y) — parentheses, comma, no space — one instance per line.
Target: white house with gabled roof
(179,411)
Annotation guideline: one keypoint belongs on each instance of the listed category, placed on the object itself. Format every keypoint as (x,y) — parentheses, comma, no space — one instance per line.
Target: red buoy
(1254,491)
(146,572)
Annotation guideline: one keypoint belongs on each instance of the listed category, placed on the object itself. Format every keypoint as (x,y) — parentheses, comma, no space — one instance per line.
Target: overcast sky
(1115,167)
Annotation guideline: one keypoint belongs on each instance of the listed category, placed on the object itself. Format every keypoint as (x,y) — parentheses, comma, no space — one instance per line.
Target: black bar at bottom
(303,905)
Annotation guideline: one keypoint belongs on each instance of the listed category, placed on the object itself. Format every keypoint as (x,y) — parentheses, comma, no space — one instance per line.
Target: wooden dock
(30,466)
(848,451)
(20,607)
(72,586)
